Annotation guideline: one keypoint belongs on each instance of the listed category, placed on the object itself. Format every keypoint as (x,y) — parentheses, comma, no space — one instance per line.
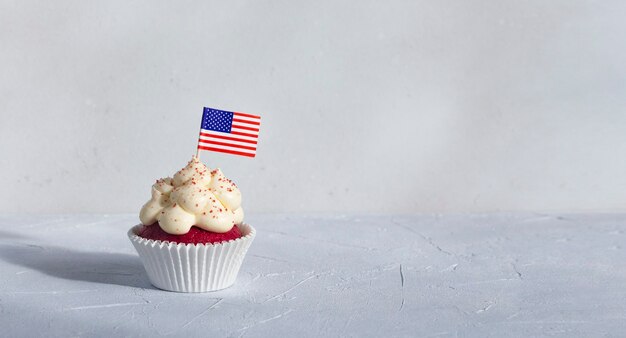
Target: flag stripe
(242,134)
(229,147)
(237,129)
(226,144)
(237,137)
(245,127)
(228,138)
(246,121)
(247,115)
(238,143)
(226,151)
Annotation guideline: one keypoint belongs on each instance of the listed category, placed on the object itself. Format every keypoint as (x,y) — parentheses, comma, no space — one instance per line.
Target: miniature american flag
(229,132)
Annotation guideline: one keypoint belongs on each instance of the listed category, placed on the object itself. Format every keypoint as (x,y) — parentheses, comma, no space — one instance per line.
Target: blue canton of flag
(218,120)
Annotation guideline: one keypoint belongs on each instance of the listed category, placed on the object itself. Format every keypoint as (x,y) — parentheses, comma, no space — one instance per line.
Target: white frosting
(194,196)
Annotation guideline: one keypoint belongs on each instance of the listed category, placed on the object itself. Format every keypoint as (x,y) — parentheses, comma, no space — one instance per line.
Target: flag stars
(217,120)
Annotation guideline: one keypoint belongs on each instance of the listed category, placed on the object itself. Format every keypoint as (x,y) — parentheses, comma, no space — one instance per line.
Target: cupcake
(192,237)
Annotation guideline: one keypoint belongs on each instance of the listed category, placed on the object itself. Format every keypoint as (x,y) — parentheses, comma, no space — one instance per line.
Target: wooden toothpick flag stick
(229,132)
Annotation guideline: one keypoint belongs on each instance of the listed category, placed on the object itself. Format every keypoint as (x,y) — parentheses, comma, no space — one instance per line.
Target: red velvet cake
(194,236)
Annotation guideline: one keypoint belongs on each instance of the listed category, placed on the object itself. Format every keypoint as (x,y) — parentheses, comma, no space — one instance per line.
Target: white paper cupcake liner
(183,267)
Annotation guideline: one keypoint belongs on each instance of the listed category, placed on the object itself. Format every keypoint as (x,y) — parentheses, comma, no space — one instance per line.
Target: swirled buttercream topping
(195,196)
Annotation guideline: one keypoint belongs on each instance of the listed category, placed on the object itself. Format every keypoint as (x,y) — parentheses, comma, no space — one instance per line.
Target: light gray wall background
(386,106)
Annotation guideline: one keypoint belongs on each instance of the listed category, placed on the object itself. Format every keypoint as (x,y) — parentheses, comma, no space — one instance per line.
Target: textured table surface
(328,275)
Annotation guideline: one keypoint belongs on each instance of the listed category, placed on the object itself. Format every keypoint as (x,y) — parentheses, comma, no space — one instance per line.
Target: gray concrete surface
(473,275)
